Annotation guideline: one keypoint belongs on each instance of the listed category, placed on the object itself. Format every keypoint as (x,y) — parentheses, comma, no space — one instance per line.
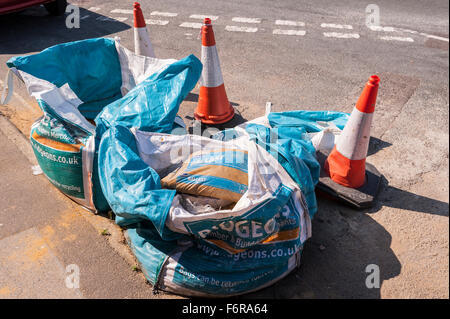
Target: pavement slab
(42,232)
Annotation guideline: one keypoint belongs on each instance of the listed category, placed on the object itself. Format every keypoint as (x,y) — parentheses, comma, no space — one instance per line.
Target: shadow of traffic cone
(213,105)
(345,171)
(142,44)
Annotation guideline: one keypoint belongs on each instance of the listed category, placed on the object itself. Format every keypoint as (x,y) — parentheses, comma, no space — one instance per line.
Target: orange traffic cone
(142,44)
(213,105)
(346,163)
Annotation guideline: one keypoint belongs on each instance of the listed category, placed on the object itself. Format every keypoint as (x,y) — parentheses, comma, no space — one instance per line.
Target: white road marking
(112,19)
(408,31)
(336,26)
(203,16)
(246,20)
(163,14)
(423,34)
(233,28)
(94,9)
(122,11)
(434,37)
(156,22)
(341,35)
(391,38)
(289,32)
(194,25)
(290,23)
(380,28)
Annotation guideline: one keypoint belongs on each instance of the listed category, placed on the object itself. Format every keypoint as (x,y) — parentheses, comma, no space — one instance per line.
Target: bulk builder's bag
(205,217)
(217,216)
(83,87)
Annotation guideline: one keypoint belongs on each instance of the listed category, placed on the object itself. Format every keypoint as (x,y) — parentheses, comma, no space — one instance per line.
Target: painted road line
(122,11)
(423,34)
(233,28)
(246,20)
(336,26)
(434,37)
(408,31)
(289,32)
(203,16)
(193,25)
(380,28)
(402,39)
(156,22)
(94,9)
(341,35)
(112,19)
(163,14)
(290,23)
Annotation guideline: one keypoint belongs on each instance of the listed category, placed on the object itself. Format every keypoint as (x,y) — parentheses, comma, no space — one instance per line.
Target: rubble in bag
(202,204)
(220,173)
(73,90)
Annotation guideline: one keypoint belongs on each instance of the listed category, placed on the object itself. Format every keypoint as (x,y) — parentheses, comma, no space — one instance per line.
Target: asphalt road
(407,232)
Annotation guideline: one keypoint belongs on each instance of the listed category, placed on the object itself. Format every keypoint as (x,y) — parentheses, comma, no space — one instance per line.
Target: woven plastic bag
(83,87)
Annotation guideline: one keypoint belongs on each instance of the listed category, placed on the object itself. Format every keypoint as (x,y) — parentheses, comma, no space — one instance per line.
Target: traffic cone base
(360,198)
(213,97)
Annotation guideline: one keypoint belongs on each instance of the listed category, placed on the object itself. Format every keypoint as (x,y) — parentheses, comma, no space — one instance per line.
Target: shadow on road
(344,242)
(397,198)
(376,145)
(334,260)
(34,29)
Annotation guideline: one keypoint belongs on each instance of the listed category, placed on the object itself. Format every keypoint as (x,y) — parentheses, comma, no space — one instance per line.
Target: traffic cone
(345,175)
(347,162)
(142,44)
(213,105)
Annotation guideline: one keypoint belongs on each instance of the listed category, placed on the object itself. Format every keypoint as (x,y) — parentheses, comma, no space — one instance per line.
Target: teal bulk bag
(84,86)
(197,245)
